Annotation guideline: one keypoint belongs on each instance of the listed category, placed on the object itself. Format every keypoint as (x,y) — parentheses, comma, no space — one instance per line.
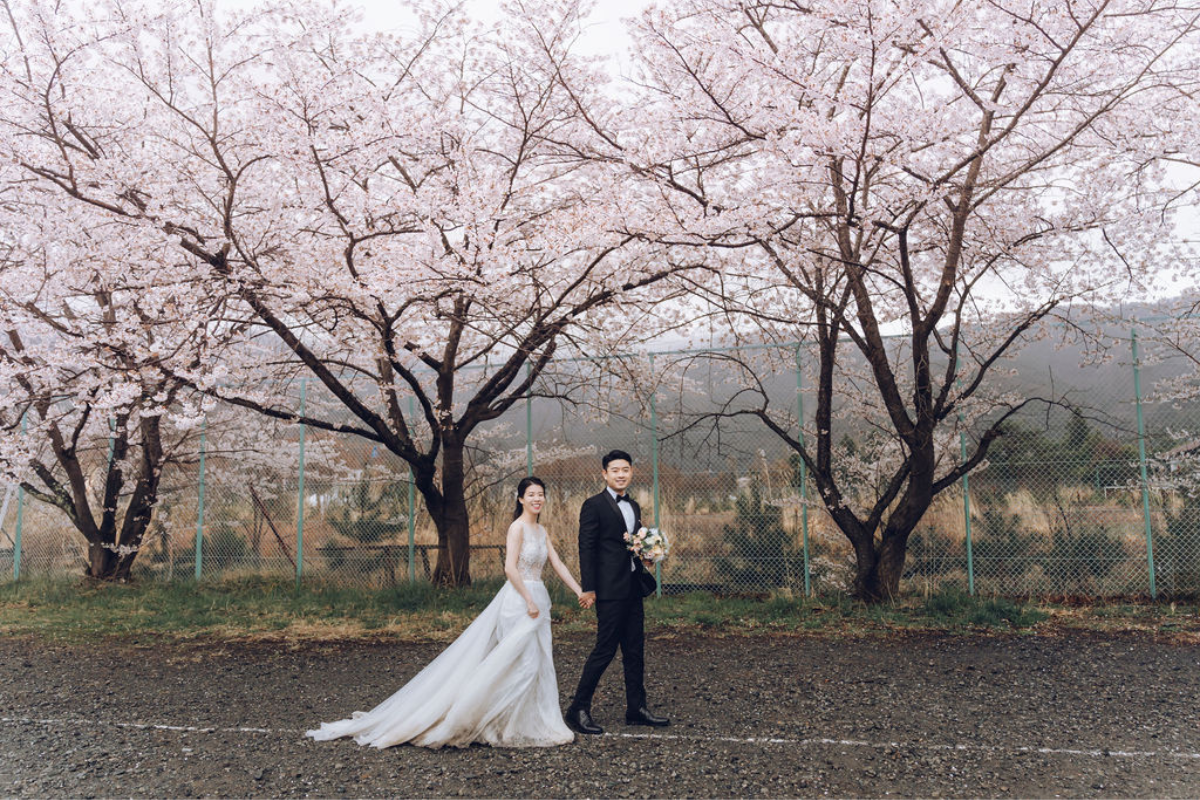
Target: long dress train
(494,684)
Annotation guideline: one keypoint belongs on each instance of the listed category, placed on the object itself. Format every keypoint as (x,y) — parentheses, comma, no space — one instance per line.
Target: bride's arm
(513,545)
(561,569)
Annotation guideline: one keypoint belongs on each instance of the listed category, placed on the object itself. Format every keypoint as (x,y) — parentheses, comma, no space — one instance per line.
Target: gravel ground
(1076,715)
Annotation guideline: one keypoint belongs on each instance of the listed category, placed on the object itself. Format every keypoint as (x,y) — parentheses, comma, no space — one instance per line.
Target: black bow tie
(623,498)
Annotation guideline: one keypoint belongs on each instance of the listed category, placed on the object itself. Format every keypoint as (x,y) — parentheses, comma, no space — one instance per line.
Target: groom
(615,581)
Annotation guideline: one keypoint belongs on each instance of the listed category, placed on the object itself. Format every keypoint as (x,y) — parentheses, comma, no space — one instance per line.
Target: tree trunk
(880,562)
(877,577)
(110,560)
(102,562)
(452,520)
(114,544)
(140,510)
(866,573)
(137,521)
(892,553)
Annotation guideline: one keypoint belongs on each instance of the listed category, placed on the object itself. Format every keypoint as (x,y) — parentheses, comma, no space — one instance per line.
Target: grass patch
(949,610)
(264,608)
(955,607)
(246,606)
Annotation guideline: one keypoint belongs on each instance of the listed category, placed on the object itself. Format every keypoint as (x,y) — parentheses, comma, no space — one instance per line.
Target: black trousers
(619,623)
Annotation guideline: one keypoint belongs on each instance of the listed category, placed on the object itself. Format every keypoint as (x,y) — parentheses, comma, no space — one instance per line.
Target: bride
(495,683)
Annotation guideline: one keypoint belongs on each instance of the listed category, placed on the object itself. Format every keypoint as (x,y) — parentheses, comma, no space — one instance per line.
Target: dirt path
(1079,715)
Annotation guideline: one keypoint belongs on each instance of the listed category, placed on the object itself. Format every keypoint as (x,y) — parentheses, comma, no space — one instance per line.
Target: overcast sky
(605,34)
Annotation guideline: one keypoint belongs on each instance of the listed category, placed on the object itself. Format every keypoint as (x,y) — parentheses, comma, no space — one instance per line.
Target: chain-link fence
(1093,498)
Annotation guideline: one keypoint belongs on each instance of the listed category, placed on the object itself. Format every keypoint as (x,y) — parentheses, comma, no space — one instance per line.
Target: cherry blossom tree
(1168,328)
(393,218)
(961,174)
(87,423)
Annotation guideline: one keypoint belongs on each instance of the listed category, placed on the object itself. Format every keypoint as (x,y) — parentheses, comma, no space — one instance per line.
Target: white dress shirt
(626,510)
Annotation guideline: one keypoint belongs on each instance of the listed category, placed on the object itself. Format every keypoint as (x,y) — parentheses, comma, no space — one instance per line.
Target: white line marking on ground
(144,726)
(1061,751)
(1095,752)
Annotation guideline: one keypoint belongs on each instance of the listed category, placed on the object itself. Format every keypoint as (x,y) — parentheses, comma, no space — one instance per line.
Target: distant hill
(1103,389)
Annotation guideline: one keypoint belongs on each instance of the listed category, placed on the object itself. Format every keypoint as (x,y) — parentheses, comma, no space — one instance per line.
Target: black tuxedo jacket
(604,557)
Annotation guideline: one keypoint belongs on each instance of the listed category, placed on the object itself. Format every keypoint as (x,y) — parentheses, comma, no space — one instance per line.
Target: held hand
(648,564)
(587,599)
(533,610)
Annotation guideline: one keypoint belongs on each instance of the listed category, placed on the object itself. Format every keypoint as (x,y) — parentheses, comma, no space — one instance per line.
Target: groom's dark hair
(615,455)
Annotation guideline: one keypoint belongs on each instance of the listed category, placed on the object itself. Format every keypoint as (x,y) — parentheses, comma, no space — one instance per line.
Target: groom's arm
(589,532)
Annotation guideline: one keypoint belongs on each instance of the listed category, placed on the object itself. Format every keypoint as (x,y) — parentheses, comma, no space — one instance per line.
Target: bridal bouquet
(649,544)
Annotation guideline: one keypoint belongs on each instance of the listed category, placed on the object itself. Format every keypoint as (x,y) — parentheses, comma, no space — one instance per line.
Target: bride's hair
(522,486)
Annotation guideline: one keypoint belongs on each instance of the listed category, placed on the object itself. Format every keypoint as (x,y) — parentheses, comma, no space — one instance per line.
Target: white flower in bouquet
(648,544)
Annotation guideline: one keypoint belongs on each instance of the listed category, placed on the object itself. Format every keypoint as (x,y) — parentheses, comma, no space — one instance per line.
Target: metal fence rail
(1094,506)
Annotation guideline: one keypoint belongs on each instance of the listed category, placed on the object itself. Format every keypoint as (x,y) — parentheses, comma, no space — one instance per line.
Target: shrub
(1177,554)
(763,555)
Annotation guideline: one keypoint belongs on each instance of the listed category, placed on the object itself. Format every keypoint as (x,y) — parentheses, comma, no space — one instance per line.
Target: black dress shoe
(580,721)
(642,716)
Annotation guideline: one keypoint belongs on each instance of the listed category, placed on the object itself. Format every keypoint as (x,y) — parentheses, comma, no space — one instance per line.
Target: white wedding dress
(494,684)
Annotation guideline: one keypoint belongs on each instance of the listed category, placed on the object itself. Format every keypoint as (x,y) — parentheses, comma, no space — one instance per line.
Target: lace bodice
(533,553)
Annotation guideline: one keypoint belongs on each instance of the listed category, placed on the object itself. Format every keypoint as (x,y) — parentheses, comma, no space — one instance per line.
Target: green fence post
(654,462)
(20,516)
(200,503)
(300,493)
(528,423)
(17,532)
(966,484)
(1137,393)
(803,472)
(412,511)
